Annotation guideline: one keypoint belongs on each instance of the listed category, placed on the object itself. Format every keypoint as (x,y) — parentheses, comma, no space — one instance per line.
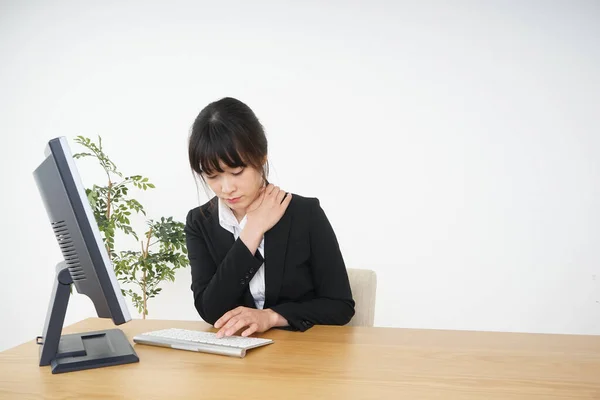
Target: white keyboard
(206,342)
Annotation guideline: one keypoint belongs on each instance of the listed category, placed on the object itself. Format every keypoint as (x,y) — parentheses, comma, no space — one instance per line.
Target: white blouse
(228,221)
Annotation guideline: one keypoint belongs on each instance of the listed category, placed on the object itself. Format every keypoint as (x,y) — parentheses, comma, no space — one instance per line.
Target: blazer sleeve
(333,304)
(218,288)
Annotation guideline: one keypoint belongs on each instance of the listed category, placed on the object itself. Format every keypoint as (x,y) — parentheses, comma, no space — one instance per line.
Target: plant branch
(143,283)
(144,288)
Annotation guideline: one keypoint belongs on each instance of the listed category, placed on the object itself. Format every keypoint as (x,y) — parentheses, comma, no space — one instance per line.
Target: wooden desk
(327,363)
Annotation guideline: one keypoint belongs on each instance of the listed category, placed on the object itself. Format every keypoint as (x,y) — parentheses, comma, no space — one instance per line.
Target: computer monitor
(86,265)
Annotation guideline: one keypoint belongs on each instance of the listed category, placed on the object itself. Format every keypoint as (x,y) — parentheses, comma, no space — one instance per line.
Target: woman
(260,257)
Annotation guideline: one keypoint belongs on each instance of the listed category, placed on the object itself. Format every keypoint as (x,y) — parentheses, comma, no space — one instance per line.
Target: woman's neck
(239,215)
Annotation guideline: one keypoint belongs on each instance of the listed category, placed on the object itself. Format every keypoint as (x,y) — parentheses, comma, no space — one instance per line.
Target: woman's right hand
(268,208)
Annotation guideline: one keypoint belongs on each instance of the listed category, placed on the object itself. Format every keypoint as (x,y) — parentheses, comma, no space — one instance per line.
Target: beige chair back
(363,283)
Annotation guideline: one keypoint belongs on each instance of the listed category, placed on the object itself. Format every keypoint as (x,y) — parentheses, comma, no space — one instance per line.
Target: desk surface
(327,362)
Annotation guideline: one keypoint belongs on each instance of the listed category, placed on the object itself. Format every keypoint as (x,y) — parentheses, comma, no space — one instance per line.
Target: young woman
(260,257)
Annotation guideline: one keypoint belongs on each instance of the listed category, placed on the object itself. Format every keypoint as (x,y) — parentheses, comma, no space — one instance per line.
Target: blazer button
(247,276)
(242,282)
(251,270)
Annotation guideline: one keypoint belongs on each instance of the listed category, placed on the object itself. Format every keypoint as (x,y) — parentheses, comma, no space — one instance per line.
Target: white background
(453,147)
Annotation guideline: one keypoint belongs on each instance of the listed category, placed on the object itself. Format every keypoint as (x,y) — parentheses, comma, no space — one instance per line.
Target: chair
(363,283)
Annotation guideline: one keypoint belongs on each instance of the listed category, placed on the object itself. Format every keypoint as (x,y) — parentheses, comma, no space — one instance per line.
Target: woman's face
(237,187)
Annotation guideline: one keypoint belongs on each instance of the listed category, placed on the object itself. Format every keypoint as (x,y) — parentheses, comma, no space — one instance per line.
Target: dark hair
(227,130)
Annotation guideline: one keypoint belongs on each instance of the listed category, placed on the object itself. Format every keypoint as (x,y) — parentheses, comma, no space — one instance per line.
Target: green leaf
(81,155)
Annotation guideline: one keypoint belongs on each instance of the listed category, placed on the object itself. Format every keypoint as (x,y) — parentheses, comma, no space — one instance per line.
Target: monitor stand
(78,351)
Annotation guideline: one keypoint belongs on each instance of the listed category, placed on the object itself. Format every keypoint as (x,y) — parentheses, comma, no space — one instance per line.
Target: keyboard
(204,342)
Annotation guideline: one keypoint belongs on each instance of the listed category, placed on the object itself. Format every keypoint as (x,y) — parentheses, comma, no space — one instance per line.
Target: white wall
(453,147)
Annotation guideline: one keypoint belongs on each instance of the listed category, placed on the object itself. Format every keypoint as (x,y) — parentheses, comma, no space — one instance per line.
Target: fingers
(237,324)
(280,196)
(227,316)
(252,320)
(231,322)
(224,329)
(286,201)
(275,192)
(250,330)
(276,195)
(272,190)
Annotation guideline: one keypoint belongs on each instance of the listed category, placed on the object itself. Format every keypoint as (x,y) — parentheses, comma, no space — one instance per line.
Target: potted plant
(162,247)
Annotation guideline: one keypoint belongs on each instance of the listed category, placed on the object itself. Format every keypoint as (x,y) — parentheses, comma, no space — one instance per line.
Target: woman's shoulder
(307,211)
(302,204)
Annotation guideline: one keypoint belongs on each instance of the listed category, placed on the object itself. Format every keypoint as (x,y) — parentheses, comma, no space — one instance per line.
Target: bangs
(227,134)
(213,149)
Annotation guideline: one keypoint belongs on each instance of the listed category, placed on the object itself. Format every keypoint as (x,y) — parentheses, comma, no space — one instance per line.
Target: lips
(234,199)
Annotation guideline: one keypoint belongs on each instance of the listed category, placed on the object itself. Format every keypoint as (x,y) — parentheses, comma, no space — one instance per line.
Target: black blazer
(305,277)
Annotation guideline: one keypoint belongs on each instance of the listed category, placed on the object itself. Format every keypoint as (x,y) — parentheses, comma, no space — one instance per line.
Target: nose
(227,186)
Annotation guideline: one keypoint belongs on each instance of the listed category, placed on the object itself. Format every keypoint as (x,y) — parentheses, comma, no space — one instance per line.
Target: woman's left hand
(251,318)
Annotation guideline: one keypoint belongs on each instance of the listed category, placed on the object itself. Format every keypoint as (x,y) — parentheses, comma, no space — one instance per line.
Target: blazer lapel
(275,248)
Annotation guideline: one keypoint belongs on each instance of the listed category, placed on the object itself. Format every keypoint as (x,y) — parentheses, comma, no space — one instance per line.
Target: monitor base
(88,350)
